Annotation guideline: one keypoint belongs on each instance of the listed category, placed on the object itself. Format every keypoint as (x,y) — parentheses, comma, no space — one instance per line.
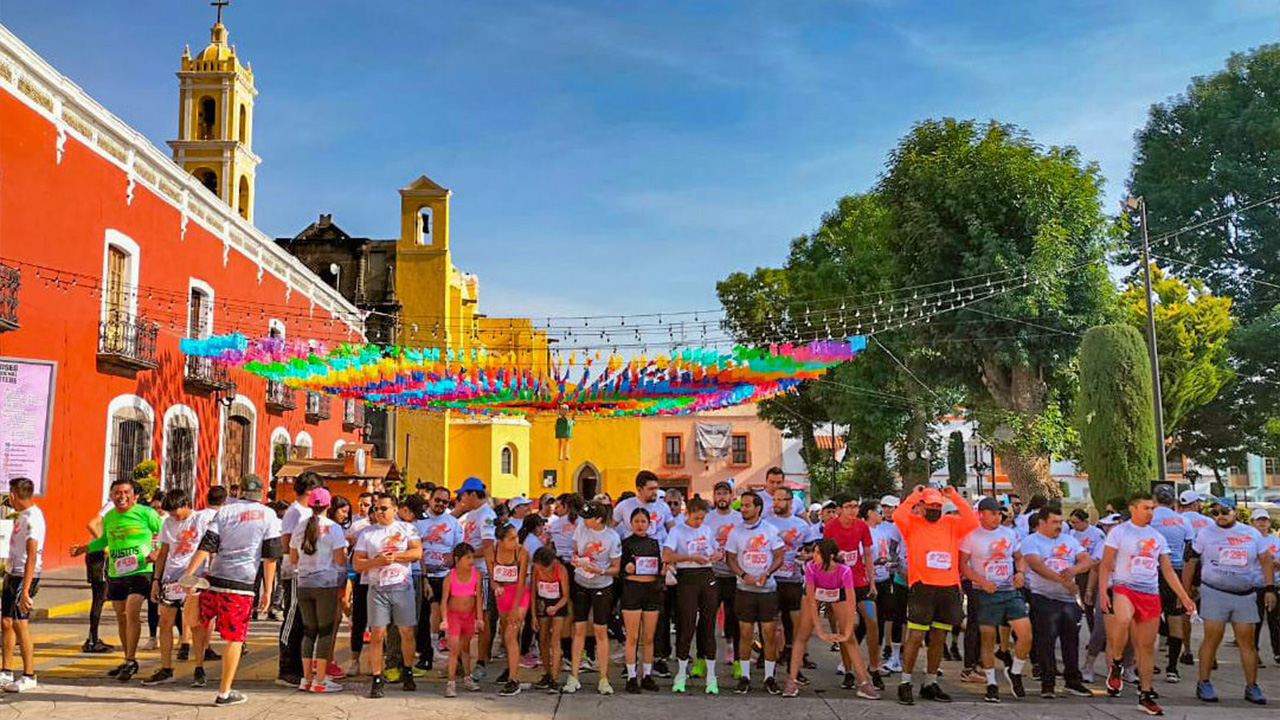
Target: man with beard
(774,480)
(721,521)
(794,532)
(933,575)
(754,553)
(1229,554)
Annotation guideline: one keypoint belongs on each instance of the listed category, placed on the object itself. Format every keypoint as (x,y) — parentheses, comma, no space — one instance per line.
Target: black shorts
(755,607)
(437,588)
(9,597)
(95,567)
(541,605)
(594,604)
(1170,605)
(936,607)
(119,589)
(647,596)
(862,593)
(789,596)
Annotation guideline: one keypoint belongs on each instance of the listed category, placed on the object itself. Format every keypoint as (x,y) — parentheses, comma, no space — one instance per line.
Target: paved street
(74,687)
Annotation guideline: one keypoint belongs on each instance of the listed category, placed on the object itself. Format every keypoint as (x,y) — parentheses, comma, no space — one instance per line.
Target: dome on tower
(218,49)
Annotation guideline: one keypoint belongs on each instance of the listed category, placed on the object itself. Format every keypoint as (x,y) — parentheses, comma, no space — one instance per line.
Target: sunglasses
(382,508)
(1215,512)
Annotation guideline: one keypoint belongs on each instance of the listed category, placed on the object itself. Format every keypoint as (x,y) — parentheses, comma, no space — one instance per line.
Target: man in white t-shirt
(26,561)
(180,536)
(1054,559)
(385,554)
(289,673)
(775,479)
(754,552)
(721,521)
(991,560)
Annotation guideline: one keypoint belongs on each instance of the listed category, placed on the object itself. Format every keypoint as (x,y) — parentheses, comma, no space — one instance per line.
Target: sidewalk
(62,593)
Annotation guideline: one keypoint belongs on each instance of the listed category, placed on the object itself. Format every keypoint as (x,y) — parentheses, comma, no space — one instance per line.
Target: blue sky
(622,157)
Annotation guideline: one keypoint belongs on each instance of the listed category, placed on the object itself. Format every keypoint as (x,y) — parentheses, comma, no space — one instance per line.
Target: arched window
(507,460)
(302,445)
(243,201)
(130,422)
(207,118)
(244,124)
(238,440)
(207,178)
(180,437)
(425,218)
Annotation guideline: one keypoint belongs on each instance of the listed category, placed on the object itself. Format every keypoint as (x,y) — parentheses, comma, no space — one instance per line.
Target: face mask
(933,514)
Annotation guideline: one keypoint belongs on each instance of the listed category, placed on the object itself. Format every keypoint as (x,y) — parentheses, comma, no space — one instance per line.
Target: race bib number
(393,575)
(126,564)
(434,559)
(173,592)
(647,566)
(1233,556)
(998,571)
(755,560)
(1056,564)
(938,560)
(505,573)
(827,595)
(788,568)
(849,557)
(1143,567)
(548,590)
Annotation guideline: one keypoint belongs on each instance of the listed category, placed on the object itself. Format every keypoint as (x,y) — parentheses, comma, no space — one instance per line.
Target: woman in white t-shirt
(319,553)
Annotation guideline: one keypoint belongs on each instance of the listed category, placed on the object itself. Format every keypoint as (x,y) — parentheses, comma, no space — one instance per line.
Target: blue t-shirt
(1176,531)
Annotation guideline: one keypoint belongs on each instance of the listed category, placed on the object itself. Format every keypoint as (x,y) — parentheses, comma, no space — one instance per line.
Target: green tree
(1117,426)
(1256,359)
(957,463)
(1208,153)
(870,478)
(1192,327)
(967,199)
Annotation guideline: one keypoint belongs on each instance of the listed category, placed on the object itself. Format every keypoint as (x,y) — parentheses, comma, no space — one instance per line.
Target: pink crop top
(458,589)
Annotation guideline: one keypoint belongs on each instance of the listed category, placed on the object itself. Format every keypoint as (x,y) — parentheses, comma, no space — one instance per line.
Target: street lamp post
(1140,204)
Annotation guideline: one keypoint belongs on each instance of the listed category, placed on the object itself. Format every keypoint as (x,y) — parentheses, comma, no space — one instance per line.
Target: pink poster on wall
(26,415)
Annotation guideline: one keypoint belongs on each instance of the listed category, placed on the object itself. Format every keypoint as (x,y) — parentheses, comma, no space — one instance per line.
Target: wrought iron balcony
(317,407)
(10,281)
(127,340)
(203,374)
(352,414)
(280,397)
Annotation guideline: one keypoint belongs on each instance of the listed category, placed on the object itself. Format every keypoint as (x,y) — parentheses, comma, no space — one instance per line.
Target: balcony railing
(352,414)
(10,281)
(127,340)
(202,373)
(1238,480)
(280,397)
(317,407)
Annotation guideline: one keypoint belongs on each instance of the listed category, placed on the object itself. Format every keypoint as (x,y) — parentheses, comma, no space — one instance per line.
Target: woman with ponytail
(319,553)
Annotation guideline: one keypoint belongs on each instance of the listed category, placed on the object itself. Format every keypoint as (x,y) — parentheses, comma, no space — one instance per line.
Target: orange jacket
(933,555)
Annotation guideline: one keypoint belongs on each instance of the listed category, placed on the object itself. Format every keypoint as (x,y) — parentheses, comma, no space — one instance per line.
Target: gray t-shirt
(753,545)
(239,536)
(1228,556)
(601,547)
(1057,554)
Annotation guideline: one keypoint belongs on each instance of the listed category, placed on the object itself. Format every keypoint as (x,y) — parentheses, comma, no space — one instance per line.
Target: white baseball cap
(517,501)
(890,500)
(815,507)
(1256,513)
(1112,519)
(1190,496)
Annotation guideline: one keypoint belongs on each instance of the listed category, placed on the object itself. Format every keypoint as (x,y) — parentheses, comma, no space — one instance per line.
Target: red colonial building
(110,253)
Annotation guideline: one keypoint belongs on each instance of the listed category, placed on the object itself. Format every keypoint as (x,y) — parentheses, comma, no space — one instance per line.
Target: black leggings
(95,564)
(697,595)
(153,619)
(320,617)
(359,616)
(891,607)
(726,588)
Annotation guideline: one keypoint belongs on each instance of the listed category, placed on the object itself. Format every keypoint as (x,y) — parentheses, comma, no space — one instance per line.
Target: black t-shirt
(644,552)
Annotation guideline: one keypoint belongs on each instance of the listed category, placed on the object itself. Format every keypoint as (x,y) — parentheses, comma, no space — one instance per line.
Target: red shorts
(1145,605)
(229,610)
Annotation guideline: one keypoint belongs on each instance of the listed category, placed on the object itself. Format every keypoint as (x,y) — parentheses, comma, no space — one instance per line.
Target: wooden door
(235,450)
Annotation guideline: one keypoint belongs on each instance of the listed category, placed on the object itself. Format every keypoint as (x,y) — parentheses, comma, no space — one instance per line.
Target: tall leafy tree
(956,460)
(969,198)
(1192,327)
(1213,151)
(1117,427)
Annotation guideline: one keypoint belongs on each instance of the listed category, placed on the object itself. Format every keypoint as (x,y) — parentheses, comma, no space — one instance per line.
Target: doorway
(235,450)
(587,481)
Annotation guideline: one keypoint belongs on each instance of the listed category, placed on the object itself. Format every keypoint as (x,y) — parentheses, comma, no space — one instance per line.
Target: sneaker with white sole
(24,683)
(571,686)
(327,686)
(603,687)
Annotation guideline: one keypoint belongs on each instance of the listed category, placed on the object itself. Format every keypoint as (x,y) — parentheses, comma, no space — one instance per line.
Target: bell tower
(215,120)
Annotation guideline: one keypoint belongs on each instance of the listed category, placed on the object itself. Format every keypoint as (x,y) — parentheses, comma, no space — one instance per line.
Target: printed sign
(26,416)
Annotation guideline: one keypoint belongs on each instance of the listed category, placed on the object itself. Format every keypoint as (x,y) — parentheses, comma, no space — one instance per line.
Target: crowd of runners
(453,581)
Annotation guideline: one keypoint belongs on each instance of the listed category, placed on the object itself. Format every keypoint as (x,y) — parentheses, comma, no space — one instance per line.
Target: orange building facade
(669,446)
(109,254)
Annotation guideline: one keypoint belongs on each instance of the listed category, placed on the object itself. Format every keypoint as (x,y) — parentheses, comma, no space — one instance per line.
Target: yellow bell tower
(215,120)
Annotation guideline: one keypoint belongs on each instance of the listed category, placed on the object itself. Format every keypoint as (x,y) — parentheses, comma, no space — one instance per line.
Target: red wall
(56,215)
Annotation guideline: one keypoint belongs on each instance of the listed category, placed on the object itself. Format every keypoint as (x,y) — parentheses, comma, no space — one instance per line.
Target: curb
(63,610)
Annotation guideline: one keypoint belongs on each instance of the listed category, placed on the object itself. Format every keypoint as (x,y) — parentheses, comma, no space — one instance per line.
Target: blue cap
(471,484)
(1225,502)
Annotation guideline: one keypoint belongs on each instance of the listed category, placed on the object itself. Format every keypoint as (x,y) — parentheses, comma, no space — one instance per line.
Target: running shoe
(588,665)
(418,671)
(545,683)
(162,676)
(233,697)
(850,682)
(1171,675)
(479,672)
(632,686)
(771,686)
(184,652)
(808,664)
(127,671)
(1252,693)
(1078,689)
(648,684)
(325,686)
(571,686)
(113,672)
(150,644)
(934,692)
(867,691)
(376,688)
(6,677)
(470,684)
(1131,674)
(502,678)
(451,689)
(677,685)
(512,687)
(876,680)
(407,683)
(1147,701)
(744,686)
(528,661)
(28,682)
(391,674)
(1046,692)
(993,694)
(1115,680)
(603,687)
(1087,675)
(713,687)
(1187,659)
(893,665)
(697,669)
(304,685)
(1015,684)
(790,690)
(97,647)
(661,669)
(288,681)
(905,694)
(211,655)
(802,679)
(197,678)
(335,671)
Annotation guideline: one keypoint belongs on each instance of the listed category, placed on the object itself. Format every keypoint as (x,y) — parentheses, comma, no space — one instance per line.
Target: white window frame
(190,420)
(303,439)
(276,323)
(248,411)
(125,404)
(338,445)
(507,460)
(117,239)
(207,291)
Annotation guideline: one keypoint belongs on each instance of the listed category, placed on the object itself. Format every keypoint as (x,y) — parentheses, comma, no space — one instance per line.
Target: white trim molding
(127,404)
(177,415)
